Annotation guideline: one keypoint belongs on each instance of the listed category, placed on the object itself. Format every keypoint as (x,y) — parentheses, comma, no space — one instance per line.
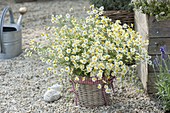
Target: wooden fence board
(158,34)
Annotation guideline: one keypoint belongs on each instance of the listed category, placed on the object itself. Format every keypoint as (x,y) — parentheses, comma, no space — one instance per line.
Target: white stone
(53,93)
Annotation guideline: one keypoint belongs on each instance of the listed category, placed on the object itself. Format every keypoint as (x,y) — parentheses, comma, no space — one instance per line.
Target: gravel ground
(23,82)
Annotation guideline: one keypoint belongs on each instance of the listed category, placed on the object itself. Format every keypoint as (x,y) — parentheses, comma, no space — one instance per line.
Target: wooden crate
(158,33)
(122,15)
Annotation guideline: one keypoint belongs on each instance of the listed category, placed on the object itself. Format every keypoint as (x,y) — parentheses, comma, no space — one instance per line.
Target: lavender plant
(162,64)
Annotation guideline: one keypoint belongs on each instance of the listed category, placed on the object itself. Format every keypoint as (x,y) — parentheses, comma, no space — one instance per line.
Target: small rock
(53,93)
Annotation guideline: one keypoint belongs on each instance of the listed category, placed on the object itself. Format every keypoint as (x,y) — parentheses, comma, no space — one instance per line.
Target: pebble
(52,95)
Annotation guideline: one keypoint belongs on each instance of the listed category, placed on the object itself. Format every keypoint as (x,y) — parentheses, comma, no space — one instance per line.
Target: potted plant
(92,51)
(116,10)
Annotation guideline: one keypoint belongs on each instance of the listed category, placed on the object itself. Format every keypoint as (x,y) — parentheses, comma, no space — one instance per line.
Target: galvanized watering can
(10,35)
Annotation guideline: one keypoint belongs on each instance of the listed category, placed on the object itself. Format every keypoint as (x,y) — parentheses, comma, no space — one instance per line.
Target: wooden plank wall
(158,34)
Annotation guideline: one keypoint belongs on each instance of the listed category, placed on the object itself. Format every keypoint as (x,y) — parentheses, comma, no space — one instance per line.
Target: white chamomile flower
(62,70)
(67,69)
(106,86)
(89,69)
(60,56)
(68,50)
(66,58)
(99,86)
(85,41)
(120,62)
(125,25)
(96,68)
(99,75)
(95,11)
(84,33)
(76,78)
(83,45)
(108,90)
(92,6)
(77,57)
(94,59)
(84,25)
(82,67)
(83,61)
(101,8)
(83,78)
(49,68)
(94,79)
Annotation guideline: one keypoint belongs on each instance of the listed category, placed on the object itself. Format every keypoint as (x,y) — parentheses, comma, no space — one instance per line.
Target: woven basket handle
(2,23)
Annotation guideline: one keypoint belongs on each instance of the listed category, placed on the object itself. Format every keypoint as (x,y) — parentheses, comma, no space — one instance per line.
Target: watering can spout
(22,11)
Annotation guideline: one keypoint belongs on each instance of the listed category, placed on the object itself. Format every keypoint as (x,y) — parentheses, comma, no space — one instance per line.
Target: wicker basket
(122,15)
(88,95)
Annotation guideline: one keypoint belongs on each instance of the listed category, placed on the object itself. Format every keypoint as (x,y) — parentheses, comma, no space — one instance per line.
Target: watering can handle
(2,23)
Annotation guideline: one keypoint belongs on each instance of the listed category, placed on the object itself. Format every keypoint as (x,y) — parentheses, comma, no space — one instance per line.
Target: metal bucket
(10,37)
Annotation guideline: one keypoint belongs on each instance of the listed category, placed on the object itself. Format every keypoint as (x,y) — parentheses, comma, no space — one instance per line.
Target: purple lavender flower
(162,63)
(163,53)
(162,49)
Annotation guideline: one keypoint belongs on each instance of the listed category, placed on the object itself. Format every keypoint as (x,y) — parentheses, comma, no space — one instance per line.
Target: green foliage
(113,4)
(162,72)
(163,87)
(159,9)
